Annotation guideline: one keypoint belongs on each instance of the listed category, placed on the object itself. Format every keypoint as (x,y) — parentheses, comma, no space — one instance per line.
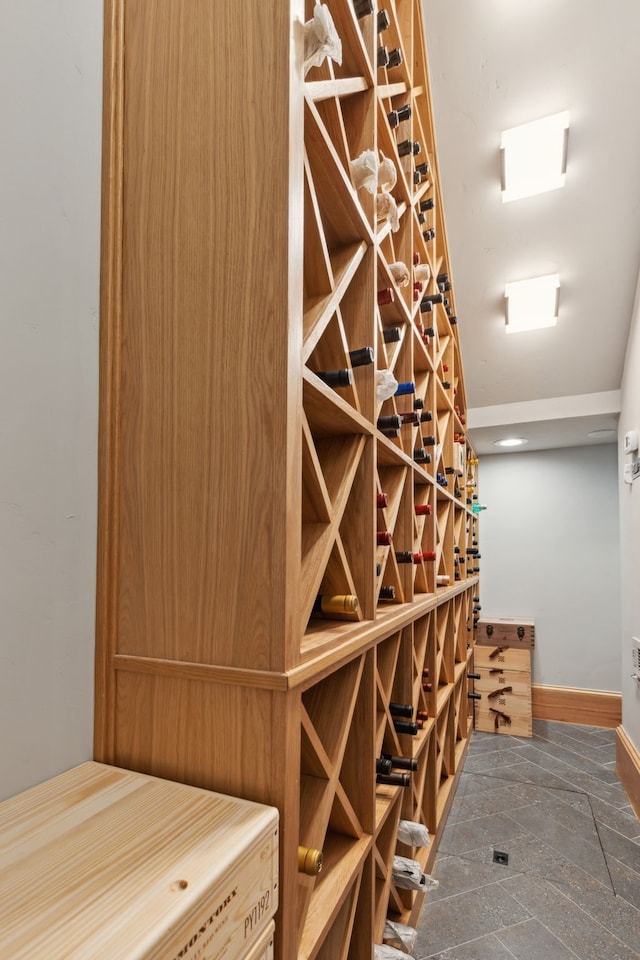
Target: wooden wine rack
(239,261)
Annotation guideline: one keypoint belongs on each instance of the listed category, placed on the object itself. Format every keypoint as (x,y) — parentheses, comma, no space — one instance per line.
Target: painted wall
(50,103)
(630,531)
(550,550)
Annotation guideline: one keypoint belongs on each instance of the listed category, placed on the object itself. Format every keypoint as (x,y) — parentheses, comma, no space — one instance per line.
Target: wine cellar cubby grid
(287,555)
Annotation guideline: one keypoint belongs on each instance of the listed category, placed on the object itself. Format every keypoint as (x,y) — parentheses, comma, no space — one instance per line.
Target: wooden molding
(594,708)
(628,767)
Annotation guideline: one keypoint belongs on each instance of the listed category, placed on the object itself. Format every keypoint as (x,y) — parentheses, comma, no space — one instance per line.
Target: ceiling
(495,64)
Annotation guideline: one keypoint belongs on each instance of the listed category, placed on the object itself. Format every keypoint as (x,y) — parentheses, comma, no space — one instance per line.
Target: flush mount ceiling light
(511,442)
(532,304)
(533,157)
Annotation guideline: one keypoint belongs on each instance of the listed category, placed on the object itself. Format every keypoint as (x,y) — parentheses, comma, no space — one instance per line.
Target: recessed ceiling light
(534,157)
(532,304)
(511,442)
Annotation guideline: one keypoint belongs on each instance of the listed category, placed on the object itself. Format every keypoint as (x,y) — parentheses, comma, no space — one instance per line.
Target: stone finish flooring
(571,888)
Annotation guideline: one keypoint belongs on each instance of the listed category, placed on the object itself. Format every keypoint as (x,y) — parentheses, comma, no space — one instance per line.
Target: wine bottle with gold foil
(309,861)
(336,607)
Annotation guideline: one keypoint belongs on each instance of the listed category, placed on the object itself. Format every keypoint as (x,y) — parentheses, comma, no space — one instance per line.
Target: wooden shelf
(236,485)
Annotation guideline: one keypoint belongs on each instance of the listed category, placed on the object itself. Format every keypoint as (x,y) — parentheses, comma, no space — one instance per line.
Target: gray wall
(550,550)
(50,103)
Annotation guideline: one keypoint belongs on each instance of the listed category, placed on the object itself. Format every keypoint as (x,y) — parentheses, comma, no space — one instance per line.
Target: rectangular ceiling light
(534,157)
(532,304)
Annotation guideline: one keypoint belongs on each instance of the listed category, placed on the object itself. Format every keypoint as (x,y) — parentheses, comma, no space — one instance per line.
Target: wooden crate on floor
(102,862)
(504,688)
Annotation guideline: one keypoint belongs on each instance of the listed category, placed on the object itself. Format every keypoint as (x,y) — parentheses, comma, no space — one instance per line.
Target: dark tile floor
(571,888)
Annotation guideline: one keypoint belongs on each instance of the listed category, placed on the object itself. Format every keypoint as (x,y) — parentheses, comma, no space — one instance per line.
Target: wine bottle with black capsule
(390,422)
(336,378)
(406,726)
(421,218)
(426,204)
(426,416)
(474,676)
(390,433)
(426,306)
(361,357)
(394,779)
(383,764)
(418,403)
(408,148)
(395,57)
(382,57)
(404,556)
(401,709)
(392,335)
(432,298)
(402,763)
(336,607)
(387,592)
(442,277)
(417,178)
(474,696)
(446,384)
(383,21)
(420,455)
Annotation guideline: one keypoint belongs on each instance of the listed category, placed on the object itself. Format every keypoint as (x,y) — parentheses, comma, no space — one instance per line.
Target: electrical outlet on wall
(635,654)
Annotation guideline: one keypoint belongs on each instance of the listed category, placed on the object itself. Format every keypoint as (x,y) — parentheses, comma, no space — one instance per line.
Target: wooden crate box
(515,632)
(102,862)
(504,688)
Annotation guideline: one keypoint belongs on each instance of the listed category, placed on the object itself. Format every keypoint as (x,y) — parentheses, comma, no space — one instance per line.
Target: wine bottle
(385,296)
(401,709)
(426,416)
(422,715)
(410,417)
(383,21)
(405,388)
(391,422)
(429,441)
(336,607)
(423,168)
(446,384)
(474,676)
(420,455)
(362,357)
(442,580)
(406,726)
(395,57)
(474,696)
(382,57)
(408,148)
(362,8)
(387,593)
(383,764)
(309,861)
(394,779)
(427,686)
(391,335)
(336,378)
(429,234)
(427,204)
(442,277)
(384,538)
(429,555)
(382,500)
(402,763)
(404,556)
(422,509)
(418,403)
